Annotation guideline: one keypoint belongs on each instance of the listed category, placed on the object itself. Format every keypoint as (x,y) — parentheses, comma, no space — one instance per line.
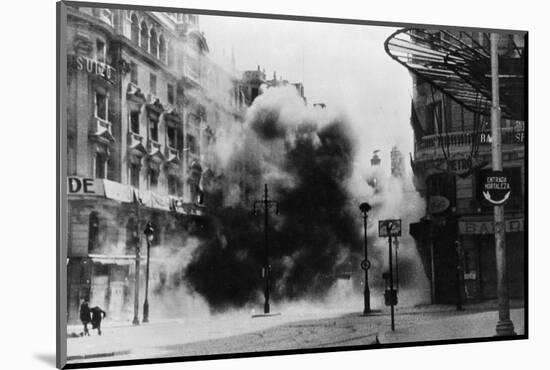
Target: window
(154,43)
(170,89)
(144,42)
(154,129)
(100,166)
(162,48)
(134,121)
(192,144)
(172,185)
(134,175)
(434,118)
(171,133)
(132,235)
(443,185)
(101,51)
(101,106)
(153,84)
(133,73)
(170,56)
(134,33)
(93,231)
(153,179)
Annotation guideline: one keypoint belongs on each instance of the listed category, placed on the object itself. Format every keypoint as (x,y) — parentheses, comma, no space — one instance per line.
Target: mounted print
(235,185)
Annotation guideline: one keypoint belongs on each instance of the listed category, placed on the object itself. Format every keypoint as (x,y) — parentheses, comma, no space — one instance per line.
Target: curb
(98,355)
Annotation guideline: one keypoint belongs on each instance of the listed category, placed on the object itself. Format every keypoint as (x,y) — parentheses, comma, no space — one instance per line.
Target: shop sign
(85,186)
(496,188)
(389,228)
(437,204)
(95,67)
(487,227)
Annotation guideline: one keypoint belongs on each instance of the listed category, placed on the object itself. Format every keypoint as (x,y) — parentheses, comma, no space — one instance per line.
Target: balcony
(461,142)
(100,131)
(135,144)
(106,15)
(172,155)
(190,77)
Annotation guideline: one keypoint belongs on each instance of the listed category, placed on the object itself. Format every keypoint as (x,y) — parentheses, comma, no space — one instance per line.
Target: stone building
(450,116)
(144,103)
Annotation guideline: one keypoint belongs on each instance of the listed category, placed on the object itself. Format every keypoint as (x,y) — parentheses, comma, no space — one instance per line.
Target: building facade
(144,103)
(450,116)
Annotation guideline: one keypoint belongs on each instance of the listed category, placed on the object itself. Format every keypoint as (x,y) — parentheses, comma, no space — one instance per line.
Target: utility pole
(504,327)
(266,203)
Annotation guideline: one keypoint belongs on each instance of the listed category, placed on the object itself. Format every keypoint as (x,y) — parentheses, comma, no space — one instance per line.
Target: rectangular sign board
(389,228)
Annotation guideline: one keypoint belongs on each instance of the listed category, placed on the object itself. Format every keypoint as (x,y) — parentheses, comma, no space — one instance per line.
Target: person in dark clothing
(85,317)
(97,315)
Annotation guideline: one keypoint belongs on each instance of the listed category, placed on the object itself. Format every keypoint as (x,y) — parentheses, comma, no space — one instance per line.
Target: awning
(459,65)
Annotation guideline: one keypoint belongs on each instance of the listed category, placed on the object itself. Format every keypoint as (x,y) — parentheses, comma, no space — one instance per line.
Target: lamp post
(365,208)
(135,321)
(267,204)
(149,232)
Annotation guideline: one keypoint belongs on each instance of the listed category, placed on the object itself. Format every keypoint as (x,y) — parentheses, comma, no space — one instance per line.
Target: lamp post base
(505,328)
(266,307)
(145,312)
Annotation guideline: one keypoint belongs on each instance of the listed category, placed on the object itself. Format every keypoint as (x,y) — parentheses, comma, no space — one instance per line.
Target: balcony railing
(172,154)
(457,141)
(153,147)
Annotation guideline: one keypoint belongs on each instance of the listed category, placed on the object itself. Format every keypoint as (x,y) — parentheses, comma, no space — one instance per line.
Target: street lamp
(149,233)
(365,264)
(266,203)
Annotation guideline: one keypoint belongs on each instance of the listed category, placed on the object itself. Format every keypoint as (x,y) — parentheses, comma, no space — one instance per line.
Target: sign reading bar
(487,227)
(496,188)
(389,228)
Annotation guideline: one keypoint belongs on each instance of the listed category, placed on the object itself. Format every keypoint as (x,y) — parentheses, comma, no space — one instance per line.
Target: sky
(343,66)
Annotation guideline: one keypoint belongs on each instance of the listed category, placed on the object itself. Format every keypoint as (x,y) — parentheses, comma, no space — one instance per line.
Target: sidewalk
(477,325)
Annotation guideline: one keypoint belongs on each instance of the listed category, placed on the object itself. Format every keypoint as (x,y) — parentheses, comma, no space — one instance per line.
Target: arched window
(135,29)
(170,55)
(162,49)
(144,42)
(93,232)
(154,49)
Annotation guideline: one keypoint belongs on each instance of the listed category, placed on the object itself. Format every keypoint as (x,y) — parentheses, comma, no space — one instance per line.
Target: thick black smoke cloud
(313,239)
(306,161)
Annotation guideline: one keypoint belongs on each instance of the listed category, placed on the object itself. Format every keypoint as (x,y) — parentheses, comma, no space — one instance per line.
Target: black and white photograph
(236,185)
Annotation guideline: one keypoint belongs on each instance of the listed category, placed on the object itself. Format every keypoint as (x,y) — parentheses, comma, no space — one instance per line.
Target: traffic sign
(365,264)
(389,228)
(496,188)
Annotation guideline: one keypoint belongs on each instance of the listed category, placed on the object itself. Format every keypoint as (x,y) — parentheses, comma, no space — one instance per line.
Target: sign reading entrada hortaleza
(95,67)
(496,188)
(466,227)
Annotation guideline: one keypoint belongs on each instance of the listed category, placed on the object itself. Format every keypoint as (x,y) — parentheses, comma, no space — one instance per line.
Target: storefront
(106,222)
(458,256)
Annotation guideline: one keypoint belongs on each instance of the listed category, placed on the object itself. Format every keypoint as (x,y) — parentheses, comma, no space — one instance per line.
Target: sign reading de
(496,188)
(389,228)
(84,186)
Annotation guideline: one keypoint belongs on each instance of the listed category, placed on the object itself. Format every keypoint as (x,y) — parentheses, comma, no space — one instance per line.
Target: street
(232,334)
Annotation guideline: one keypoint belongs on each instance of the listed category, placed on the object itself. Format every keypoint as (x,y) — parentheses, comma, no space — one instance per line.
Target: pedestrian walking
(85,316)
(97,315)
